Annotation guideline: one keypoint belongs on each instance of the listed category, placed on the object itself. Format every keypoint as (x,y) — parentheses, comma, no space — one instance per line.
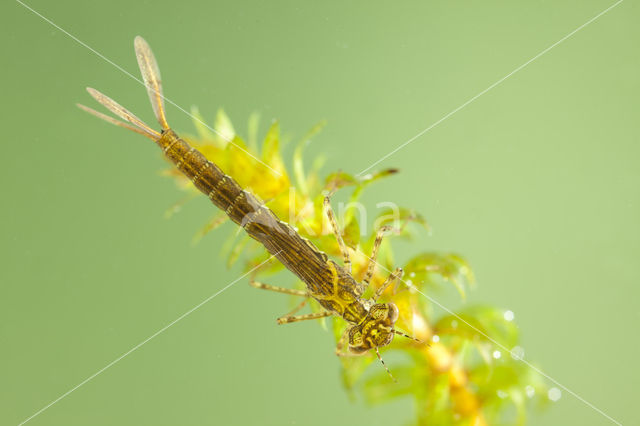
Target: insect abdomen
(297,254)
(221,189)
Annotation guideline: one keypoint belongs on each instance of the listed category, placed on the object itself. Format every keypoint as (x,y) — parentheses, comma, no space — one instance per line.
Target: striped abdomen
(221,189)
(296,253)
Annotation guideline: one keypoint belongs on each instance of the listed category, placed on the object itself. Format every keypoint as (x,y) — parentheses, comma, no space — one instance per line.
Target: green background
(536,183)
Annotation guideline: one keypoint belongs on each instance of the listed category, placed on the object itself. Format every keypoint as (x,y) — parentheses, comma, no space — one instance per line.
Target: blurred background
(535,183)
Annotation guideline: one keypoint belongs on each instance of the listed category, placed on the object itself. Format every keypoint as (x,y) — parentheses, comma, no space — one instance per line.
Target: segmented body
(331,285)
(334,288)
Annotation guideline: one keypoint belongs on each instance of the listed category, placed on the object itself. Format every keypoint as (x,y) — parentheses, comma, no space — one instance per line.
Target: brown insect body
(329,283)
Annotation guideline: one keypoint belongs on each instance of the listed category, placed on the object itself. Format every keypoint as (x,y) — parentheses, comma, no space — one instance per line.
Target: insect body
(333,286)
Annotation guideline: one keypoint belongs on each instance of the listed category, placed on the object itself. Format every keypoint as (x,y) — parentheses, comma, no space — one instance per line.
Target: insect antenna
(385,366)
(411,337)
(139,126)
(151,76)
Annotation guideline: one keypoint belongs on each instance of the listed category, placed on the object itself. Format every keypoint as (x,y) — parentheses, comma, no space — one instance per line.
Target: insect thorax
(344,298)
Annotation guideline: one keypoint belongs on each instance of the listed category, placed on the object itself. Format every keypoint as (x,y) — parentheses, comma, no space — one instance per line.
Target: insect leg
(372,260)
(296,318)
(296,309)
(291,291)
(342,343)
(342,350)
(395,276)
(289,317)
(334,225)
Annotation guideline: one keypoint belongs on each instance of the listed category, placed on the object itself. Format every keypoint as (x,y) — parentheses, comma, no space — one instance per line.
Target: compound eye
(357,350)
(355,336)
(393,312)
(384,338)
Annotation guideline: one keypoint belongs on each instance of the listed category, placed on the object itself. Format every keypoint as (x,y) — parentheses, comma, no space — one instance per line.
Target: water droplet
(554,394)
(530,391)
(409,283)
(502,394)
(497,354)
(435,338)
(508,315)
(517,353)
(454,324)
(413,274)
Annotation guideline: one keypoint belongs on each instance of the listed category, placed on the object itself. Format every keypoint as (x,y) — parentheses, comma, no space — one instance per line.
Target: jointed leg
(374,255)
(296,309)
(291,291)
(336,232)
(342,349)
(395,276)
(296,318)
(289,317)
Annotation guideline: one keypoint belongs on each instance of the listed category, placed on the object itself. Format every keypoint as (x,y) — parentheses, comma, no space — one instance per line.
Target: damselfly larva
(332,285)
